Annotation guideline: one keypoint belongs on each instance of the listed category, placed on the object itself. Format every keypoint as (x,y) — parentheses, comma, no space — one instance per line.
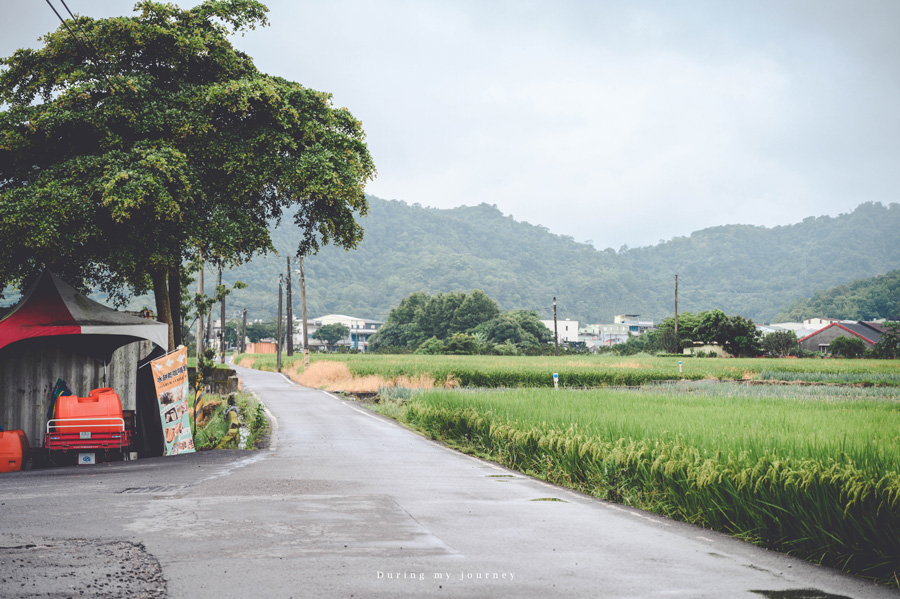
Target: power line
(88,47)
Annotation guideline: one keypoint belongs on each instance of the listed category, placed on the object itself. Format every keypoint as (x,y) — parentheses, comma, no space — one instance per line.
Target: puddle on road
(500,476)
(799,594)
(549,499)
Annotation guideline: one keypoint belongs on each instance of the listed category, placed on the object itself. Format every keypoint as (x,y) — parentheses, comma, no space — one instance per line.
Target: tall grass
(815,477)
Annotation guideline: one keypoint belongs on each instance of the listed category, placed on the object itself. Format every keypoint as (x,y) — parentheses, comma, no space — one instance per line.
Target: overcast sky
(614,122)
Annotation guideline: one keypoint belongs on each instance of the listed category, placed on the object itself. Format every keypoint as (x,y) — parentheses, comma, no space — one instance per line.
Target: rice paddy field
(595,371)
(800,456)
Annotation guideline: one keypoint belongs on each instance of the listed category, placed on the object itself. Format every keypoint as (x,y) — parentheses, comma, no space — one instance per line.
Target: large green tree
(331,334)
(889,344)
(420,317)
(847,347)
(781,343)
(131,145)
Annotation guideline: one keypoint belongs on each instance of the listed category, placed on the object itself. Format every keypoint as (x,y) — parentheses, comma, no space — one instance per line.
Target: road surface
(346,503)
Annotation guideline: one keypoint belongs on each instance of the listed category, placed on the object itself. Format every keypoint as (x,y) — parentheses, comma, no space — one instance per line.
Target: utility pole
(209,328)
(222,317)
(200,315)
(278,334)
(243,342)
(677,341)
(555,332)
(303,305)
(290,312)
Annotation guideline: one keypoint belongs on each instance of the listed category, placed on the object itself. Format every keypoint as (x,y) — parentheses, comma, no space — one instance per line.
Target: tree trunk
(175,305)
(163,309)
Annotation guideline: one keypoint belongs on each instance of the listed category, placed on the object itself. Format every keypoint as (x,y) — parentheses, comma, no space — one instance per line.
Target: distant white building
(361,329)
(820,322)
(567,329)
(604,334)
(625,326)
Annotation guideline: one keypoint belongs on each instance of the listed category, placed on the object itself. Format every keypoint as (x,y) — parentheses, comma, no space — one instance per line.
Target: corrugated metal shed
(28,374)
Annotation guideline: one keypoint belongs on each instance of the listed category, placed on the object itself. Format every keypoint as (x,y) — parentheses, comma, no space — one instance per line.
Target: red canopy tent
(53,308)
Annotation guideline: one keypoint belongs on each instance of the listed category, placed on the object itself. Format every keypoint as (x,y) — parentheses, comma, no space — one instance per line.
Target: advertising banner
(171,378)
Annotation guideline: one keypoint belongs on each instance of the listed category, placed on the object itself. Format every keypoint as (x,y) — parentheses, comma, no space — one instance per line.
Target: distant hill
(740,269)
(863,299)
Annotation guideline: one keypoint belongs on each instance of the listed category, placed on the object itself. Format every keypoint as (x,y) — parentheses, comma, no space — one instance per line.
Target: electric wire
(87,45)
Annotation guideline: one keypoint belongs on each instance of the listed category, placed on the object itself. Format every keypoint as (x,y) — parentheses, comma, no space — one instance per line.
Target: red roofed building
(821,339)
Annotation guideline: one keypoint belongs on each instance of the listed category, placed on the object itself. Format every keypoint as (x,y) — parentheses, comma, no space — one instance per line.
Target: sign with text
(171,379)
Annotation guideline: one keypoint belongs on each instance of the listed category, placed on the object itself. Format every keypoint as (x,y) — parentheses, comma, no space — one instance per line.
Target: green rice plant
(817,477)
(584,370)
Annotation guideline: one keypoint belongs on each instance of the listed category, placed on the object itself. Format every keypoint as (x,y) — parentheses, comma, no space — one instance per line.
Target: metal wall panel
(28,376)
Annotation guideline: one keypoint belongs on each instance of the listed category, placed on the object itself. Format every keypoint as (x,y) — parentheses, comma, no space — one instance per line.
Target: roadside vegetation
(211,426)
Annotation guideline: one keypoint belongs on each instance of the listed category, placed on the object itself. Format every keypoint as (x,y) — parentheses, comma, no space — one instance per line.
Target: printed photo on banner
(171,379)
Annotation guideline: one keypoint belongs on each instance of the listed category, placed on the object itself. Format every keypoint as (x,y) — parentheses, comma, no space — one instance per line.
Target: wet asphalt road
(346,503)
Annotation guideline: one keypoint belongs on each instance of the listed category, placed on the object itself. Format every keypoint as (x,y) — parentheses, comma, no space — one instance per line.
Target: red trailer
(84,426)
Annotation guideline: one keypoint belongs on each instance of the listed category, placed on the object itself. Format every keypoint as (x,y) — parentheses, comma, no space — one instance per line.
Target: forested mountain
(740,269)
(863,299)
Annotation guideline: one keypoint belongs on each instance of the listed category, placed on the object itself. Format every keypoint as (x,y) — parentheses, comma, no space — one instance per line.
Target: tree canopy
(847,347)
(781,343)
(889,344)
(457,323)
(330,334)
(131,145)
(735,334)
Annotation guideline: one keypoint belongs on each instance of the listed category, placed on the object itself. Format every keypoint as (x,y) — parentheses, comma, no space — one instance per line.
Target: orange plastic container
(102,407)
(13,450)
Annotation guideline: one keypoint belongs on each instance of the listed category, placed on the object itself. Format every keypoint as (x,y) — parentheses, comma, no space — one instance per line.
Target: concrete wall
(566,329)
(28,376)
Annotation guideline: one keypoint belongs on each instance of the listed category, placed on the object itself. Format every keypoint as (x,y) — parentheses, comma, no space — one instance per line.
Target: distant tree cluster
(889,345)
(458,323)
(781,344)
(847,347)
(331,334)
(735,334)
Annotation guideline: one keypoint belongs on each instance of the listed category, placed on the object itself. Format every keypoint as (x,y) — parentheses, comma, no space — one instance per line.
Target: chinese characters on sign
(171,379)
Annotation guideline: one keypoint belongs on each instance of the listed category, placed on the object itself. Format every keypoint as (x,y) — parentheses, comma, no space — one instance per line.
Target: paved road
(349,504)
